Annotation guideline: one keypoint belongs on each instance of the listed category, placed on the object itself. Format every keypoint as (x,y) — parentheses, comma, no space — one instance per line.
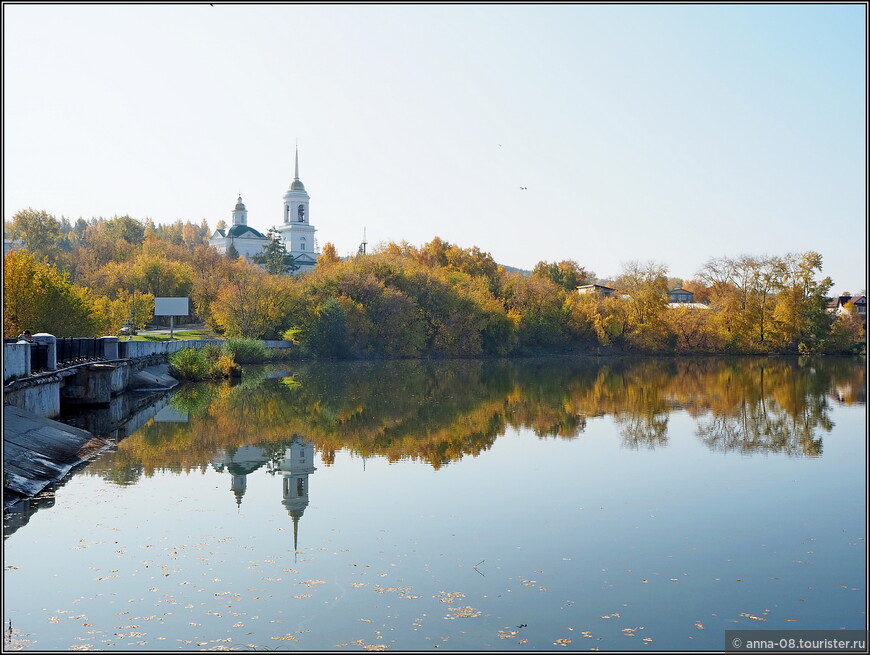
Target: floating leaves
(462,613)
(562,642)
(448,596)
(751,617)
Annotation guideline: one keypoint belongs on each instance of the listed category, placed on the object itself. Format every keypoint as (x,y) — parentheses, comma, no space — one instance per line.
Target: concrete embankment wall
(38,451)
(94,383)
(147,348)
(16,360)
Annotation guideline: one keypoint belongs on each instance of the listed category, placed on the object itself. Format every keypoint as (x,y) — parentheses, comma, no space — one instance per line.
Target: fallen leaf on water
(462,612)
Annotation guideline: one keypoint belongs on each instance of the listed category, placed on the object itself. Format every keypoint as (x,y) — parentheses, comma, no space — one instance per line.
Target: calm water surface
(534,505)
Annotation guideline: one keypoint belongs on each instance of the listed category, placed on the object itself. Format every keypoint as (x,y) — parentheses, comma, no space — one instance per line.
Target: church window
(300,488)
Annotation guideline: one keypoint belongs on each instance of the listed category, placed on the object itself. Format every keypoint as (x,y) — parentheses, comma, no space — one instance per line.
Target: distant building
(680,295)
(838,305)
(245,239)
(296,230)
(596,289)
(11,244)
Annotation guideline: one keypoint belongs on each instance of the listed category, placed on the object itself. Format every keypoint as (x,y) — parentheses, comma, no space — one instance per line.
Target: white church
(296,230)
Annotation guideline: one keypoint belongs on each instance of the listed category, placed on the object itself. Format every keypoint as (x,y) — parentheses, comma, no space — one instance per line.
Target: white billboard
(171,306)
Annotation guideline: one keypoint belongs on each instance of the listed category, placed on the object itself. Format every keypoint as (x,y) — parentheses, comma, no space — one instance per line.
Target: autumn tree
(252,303)
(328,255)
(847,333)
(38,297)
(567,274)
(742,291)
(191,235)
(800,312)
(537,306)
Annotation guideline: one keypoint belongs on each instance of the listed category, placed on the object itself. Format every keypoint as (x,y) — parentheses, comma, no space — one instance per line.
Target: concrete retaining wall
(39,394)
(147,348)
(97,383)
(16,360)
(16,356)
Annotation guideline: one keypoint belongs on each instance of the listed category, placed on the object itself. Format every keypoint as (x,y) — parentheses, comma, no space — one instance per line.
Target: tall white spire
(297,185)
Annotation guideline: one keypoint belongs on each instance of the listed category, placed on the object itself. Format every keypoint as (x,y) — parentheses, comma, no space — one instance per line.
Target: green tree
(567,274)
(126,228)
(39,231)
(275,257)
(327,336)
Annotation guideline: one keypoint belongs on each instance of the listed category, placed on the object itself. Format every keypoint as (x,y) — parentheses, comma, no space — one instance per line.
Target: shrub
(246,351)
(210,362)
(189,364)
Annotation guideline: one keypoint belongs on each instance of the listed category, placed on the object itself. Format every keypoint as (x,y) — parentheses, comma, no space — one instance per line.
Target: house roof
(244,231)
(834,303)
(595,286)
(680,290)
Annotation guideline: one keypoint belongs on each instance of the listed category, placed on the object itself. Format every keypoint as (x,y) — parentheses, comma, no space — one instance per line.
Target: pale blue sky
(643,132)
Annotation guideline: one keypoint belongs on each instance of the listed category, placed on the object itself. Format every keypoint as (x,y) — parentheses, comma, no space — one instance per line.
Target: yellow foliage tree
(38,297)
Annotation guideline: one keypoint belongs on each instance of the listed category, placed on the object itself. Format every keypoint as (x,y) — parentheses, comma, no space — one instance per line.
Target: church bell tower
(296,229)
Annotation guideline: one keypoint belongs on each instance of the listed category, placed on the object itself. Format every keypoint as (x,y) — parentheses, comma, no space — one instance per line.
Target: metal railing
(38,357)
(71,351)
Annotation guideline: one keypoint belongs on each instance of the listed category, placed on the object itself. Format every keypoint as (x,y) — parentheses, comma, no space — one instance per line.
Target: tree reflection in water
(441,411)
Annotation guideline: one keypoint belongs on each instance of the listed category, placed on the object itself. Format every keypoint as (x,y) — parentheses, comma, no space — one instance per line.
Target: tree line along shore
(406,301)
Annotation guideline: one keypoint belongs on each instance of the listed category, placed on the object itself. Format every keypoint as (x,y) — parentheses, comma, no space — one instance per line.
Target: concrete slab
(38,451)
(153,378)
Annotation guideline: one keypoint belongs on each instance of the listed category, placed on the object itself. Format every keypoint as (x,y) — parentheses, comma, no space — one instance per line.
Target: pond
(461,505)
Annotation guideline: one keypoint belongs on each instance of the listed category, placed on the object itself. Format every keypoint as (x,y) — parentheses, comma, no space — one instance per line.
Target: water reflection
(439,412)
(295,465)
(239,462)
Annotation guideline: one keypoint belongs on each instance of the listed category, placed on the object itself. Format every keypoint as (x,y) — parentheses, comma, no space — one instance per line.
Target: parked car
(127,330)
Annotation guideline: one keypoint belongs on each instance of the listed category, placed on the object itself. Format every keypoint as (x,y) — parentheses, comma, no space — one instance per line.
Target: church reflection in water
(295,464)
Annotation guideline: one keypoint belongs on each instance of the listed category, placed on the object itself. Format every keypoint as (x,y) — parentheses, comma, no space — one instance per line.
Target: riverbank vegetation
(405,301)
(215,362)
